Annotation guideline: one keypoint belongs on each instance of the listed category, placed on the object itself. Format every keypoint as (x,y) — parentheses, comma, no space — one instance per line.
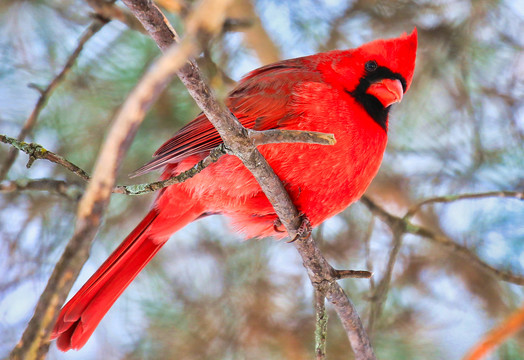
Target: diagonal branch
(34,343)
(408,227)
(30,123)
(235,139)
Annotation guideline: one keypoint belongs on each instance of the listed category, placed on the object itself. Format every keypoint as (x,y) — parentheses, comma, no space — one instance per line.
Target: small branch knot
(228,150)
(323,285)
(36,87)
(35,152)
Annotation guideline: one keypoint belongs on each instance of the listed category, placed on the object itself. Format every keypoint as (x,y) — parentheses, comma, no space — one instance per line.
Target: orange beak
(387,91)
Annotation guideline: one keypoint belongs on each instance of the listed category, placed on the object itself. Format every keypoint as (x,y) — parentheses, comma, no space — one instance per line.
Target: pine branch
(30,123)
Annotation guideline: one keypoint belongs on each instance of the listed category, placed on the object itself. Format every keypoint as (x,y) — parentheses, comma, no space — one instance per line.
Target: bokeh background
(211,295)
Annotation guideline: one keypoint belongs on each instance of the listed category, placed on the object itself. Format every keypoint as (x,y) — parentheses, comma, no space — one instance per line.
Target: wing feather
(261,101)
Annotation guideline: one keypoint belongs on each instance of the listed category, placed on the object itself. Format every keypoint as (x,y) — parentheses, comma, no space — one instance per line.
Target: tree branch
(29,124)
(320,325)
(451,198)
(410,228)
(233,134)
(140,189)
(34,343)
(277,136)
(70,191)
(36,151)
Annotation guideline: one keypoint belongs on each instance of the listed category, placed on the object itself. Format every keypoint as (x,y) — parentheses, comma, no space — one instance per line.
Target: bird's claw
(277,224)
(304,230)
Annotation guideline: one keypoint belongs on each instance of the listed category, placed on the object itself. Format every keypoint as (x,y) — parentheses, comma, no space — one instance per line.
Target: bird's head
(376,74)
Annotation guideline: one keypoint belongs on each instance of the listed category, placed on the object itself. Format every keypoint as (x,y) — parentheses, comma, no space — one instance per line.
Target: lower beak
(387,91)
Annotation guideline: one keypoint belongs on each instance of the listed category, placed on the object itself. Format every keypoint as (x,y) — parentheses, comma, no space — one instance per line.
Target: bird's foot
(304,230)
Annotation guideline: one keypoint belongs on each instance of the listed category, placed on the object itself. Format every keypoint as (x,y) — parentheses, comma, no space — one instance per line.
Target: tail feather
(82,314)
(79,302)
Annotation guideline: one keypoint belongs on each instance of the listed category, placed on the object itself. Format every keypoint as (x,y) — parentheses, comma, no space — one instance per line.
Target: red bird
(348,93)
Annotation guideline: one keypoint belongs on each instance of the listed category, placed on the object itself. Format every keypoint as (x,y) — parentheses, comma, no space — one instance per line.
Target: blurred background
(210,295)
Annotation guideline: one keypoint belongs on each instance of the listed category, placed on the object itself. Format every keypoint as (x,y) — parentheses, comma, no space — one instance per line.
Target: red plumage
(347,93)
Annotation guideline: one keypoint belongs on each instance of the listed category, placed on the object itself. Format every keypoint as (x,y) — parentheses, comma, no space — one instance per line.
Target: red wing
(261,101)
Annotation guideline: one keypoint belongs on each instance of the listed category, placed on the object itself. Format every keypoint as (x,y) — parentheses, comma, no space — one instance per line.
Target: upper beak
(387,91)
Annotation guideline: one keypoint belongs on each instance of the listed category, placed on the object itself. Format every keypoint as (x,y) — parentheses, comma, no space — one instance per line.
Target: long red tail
(82,314)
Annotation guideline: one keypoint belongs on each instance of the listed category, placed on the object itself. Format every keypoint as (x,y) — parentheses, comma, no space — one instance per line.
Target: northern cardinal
(347,93)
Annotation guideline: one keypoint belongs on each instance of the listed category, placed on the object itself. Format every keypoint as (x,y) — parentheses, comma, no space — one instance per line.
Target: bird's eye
(371,66)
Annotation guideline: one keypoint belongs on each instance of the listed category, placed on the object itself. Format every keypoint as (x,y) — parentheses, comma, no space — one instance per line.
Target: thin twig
(320,325)
(109,11)
(29,124)
(369,265)
(36,151)
(410,228)
(140,189)
(379,294)
(355,274)
(451,198)
(367,249)
(277,136)
(504,275)
(70,191)
(74,192)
